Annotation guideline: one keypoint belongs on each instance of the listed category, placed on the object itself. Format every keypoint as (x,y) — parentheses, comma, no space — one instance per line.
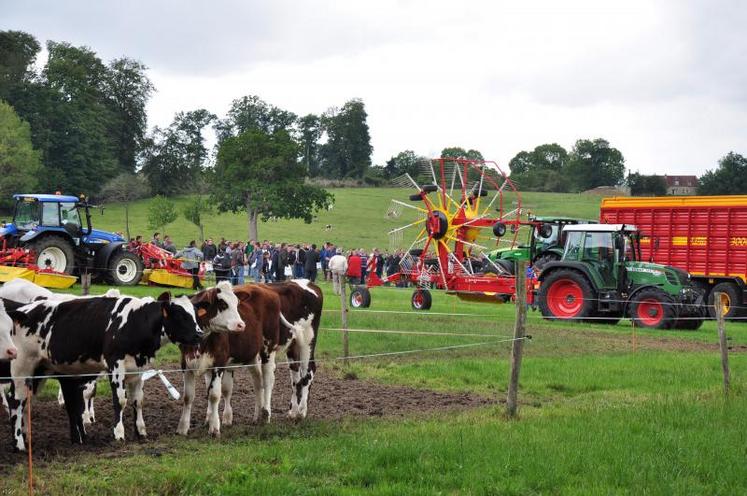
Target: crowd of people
(262,262)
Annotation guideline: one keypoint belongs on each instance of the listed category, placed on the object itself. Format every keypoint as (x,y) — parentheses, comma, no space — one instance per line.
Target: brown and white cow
(279,317)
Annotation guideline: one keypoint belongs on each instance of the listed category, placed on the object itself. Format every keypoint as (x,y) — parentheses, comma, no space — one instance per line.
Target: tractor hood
(97,236)
(651,273)
(519,253)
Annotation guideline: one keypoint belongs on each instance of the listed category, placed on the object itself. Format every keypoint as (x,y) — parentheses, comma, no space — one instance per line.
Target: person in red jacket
(354,268)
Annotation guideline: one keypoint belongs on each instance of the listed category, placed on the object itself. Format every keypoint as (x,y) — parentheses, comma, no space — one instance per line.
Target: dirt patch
(331,399)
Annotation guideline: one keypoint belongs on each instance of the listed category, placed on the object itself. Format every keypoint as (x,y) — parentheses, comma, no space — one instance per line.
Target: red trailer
(704,235)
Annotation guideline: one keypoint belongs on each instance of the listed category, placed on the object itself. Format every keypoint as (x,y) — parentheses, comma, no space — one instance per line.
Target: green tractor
(601,278)
(545,243)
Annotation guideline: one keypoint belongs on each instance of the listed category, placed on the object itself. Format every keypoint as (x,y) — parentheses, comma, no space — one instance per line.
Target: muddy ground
(331,399)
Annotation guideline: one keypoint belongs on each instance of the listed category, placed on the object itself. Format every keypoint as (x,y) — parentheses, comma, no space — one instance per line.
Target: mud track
(331,399)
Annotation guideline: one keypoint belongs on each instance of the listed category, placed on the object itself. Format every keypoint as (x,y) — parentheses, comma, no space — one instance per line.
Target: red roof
(683,181)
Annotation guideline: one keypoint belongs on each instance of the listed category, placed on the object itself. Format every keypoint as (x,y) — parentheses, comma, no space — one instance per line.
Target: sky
(663,81)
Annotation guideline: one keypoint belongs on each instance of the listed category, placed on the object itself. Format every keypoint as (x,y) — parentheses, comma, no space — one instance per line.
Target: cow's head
(217,309)
(179,320)
(7,348)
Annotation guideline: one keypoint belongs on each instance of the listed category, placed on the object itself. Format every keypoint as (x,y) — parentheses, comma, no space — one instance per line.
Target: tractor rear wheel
(360,297)
(652,308)
(566,294)
(125,268)
(730,300)
(53,252)
(421,299)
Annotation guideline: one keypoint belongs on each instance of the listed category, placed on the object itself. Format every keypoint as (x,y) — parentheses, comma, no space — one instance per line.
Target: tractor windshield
(27,215)
(69,214)
(631,245)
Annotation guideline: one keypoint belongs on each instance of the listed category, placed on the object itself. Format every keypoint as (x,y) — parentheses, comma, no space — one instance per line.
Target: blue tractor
(57,231)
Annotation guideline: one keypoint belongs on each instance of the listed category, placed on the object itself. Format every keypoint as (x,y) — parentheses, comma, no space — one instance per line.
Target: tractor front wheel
(566,294)
(360,297)
(53,252)
(421,299)
(125,268)
(652,308)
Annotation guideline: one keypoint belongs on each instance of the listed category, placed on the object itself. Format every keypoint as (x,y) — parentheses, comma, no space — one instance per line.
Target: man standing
(191,262)
(338,266)
(169,245)
(209,250)
(282,263)
(157,240)
(312,258)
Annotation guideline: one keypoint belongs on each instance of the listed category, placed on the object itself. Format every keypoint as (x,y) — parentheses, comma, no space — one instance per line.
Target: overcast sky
(663,81)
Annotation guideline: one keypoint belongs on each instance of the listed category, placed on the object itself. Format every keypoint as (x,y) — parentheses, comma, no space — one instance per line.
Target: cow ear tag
(201,312)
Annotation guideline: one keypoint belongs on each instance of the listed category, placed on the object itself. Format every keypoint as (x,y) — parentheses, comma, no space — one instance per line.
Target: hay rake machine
(163,269)
(460,206)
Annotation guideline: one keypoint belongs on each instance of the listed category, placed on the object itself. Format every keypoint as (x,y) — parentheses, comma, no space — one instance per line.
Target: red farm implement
(19,263)
(163,269)
(461,206)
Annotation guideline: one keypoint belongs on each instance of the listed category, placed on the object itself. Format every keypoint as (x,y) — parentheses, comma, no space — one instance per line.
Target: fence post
(85,282)
(517,346)
(344,317)
(722,340)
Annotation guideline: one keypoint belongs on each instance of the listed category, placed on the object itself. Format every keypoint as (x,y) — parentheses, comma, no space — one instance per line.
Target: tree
(310,132)
(259,173)
(174,158)
(542,169)
(459,152)
(406,162)
(347,152)
(125,188)
(127,91)
(594,163)
(17,55)
(19,162)
(642,185)
(253,113)
(729,178)
(161,212)
(194,210)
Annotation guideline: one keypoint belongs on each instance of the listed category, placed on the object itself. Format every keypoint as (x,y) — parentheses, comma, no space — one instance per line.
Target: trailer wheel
(730,300)
(54,252)
(652,308)
(360,297)
(421,299)
(125,268)
(566,294)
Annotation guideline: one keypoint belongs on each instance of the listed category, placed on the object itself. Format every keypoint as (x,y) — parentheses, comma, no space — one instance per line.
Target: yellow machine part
(163,277)
(54,281)
(10,273)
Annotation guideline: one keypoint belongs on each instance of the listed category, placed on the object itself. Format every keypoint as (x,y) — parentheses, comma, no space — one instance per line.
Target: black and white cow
(86,336)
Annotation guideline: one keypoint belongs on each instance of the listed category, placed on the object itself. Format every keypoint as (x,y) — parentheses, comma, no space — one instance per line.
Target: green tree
(347,152)
(18,52)
(161,212)
(194,211)
(252,113)
(542,169)
(174,158)
(19,162)
(259,173)
(310,132)
(642,185)
(729,178)
(125,188)
(594,163)
(459,152)
(127,90)
(406,162)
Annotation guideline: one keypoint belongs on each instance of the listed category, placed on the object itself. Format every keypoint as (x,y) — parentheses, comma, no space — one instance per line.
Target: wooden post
(344,317)
(519,333)
(85,282)
(635,338)
(722,341)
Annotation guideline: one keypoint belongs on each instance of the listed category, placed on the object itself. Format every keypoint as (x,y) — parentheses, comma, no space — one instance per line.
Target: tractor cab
(33,212)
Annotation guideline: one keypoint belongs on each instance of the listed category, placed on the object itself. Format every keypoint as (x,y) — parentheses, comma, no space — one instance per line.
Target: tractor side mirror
(545,231)
(499,229)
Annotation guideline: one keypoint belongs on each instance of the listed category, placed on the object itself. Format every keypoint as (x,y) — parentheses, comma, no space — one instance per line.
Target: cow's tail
(303,333)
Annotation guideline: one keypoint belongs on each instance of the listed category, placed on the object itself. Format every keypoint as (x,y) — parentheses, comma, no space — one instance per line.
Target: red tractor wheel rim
(565,298)
(650,312)
(417,299)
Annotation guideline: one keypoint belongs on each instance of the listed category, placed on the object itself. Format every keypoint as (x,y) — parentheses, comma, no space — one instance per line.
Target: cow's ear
(18,317)
(165,296)
(243,295)
(201,308)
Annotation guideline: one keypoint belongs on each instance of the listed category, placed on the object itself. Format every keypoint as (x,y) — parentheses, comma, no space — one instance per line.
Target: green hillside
(358,218)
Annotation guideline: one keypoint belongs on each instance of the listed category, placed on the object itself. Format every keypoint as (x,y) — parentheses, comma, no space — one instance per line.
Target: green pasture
(358,218)
(597,416)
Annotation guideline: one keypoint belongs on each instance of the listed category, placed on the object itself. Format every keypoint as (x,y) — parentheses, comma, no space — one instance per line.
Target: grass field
(358,218)
(596,417)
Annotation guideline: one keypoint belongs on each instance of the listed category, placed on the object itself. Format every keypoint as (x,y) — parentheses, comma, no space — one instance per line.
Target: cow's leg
(119,398)
(73,396)
(16,406)
(303,368)
(227,390)
(135,392)
(213,402)
(189,397)
(256,373)
(268,382)
(60,397)
(89,393)
(207,378)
